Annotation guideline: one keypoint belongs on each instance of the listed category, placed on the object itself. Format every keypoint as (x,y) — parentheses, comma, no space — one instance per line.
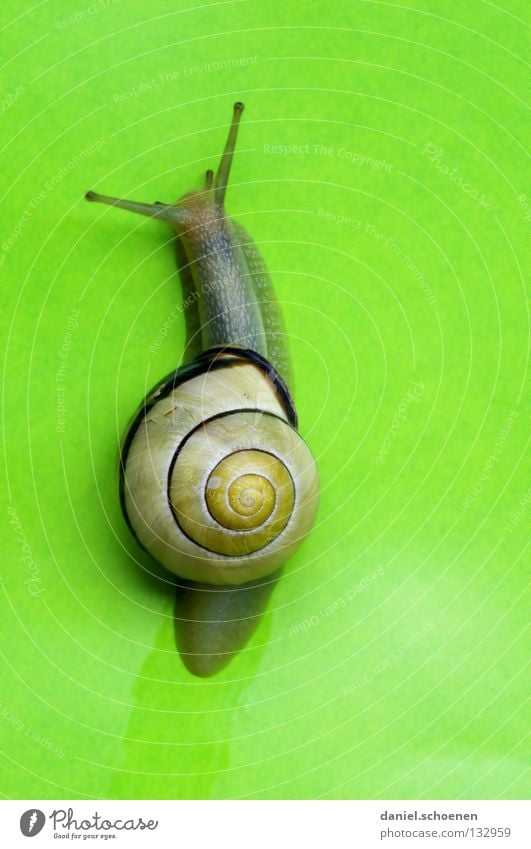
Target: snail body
(215,481)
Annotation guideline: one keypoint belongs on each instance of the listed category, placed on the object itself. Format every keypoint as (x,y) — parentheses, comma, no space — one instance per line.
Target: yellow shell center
(238,503)
(242,500)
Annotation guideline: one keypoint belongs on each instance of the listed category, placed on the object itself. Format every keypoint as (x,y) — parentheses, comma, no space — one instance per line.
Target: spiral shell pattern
(219,487)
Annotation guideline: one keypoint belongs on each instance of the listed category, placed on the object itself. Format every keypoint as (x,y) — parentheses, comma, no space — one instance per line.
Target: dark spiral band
(175,458)
(210,360)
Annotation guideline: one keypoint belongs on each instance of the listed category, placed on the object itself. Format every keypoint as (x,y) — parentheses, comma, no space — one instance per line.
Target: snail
(215,481)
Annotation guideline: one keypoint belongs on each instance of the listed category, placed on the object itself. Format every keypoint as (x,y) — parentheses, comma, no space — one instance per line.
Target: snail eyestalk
(164,211)
(222,176)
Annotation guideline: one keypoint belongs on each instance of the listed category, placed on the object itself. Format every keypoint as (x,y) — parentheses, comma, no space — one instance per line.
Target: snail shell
(216,482)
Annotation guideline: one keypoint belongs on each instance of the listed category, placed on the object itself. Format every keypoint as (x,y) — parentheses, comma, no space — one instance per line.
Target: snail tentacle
(222,176)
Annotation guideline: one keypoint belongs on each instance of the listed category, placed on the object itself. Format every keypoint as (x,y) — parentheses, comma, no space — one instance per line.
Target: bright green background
(390,661)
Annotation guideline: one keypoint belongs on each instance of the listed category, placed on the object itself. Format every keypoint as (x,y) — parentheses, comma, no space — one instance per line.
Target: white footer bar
(265,824)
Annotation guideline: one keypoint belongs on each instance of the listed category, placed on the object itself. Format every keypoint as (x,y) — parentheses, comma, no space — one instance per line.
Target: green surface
(390,663)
